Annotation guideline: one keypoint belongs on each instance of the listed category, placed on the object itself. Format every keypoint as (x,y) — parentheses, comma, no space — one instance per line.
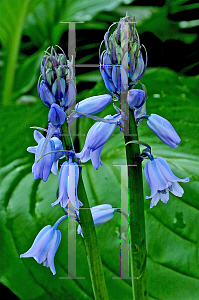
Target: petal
(176,189)
(37,243)
(45,94)
(84,155)
(41,254)
(32,149)
(53,249)
(155,200)
(164,197)
(38,136)
(72,184)
(63,185)
(48,160)
(101,134)
(56,115)
(162,181)
(166,170)
(137,73)
(108,82)
(70,95)
(95,157)
(151,180)
(54,168)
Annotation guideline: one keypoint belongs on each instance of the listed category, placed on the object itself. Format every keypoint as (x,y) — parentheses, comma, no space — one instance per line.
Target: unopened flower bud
(136,98)
(56,115)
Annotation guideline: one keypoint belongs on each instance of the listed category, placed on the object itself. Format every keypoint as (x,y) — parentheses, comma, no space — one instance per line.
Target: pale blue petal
(53,249)
(72,184)
(151,179)
(176,189)
(155,200)
(32,149)
(38,136)
(164,197)
(166,170)
(95,157)
(44,246)
(37,242)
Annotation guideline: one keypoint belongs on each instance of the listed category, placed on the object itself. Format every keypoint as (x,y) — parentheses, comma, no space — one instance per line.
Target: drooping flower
(68,181)
(45,246)
(100,214)
(96,138)
(161,181)
(49,162)
(164,130)
(90,106)
(122,64)
(57,84)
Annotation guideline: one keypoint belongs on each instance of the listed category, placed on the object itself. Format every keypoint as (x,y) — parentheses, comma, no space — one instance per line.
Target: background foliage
(168,29)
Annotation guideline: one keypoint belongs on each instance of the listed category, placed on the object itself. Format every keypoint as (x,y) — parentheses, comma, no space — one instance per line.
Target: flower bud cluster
(57,84)
(122,64)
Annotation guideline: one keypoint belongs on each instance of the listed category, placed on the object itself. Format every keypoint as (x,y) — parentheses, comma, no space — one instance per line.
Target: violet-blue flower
(57,84)
(46,95)
(161,180)
(96,137)
(122,64)
(100,214)
(90,106)
(45,246)
(48,162)
(136,98)
(56,115)
(164,130)
(68,181)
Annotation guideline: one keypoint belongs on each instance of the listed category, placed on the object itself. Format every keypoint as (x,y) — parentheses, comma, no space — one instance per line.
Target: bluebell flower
(96,138)
(164,130)
(45,246)
(46,95)
(136,98)
(121,63)
(161,180)
(56,115)
(68,181)
(100,214)
(57,84)
(90,106)
(49,162)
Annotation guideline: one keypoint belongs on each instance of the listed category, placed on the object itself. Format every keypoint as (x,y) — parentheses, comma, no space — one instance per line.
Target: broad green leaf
(12,21)
(172,228)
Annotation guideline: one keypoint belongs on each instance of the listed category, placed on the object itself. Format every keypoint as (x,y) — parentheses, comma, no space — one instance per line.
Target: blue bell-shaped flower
(68,181)
(56,115)
(164,130)
(100,214)
(96,137)
(161,180)
(45,246)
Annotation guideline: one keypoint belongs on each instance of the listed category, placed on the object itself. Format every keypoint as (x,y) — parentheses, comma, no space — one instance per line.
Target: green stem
(136,215)
(90,238)
(12,54)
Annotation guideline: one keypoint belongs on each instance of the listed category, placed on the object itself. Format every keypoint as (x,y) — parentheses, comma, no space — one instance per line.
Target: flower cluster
(121,66)
(57,91)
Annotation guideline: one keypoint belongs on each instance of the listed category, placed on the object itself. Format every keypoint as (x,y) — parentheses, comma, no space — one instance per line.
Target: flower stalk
(90,238)
(138,253)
